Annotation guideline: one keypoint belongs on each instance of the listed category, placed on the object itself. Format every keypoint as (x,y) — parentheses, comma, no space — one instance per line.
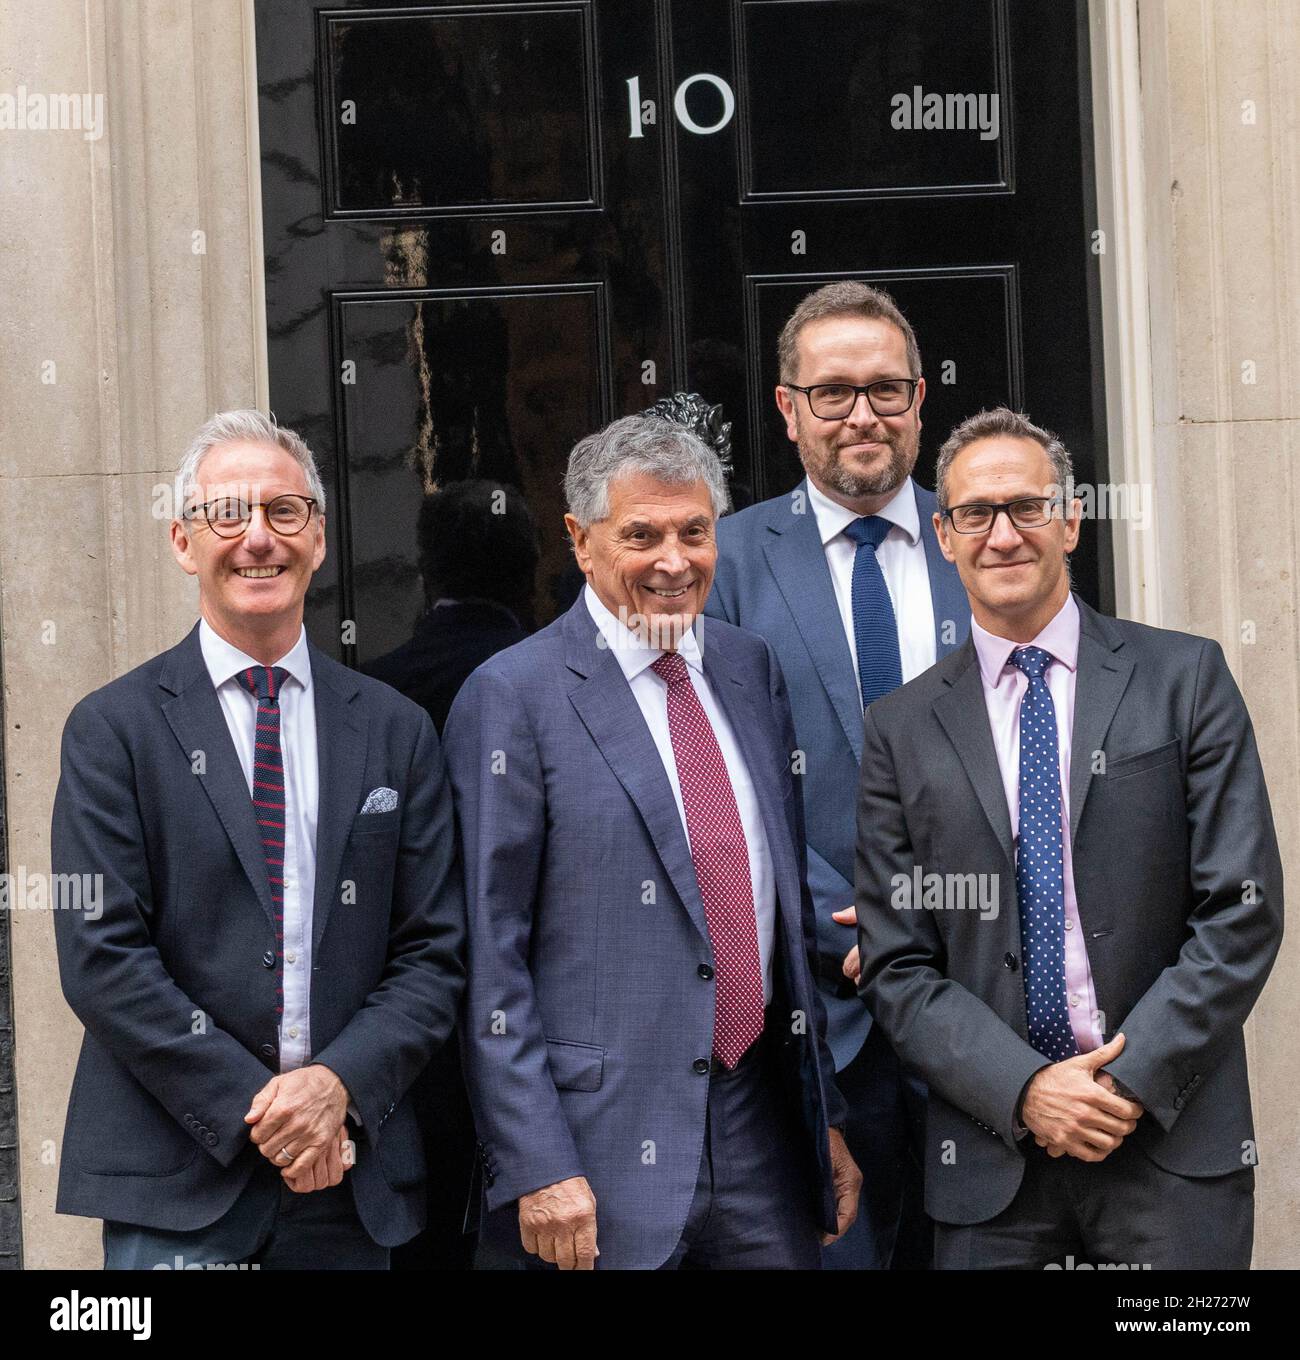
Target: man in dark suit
(845,579)
(644,1044)
(280,944)
(1069,898)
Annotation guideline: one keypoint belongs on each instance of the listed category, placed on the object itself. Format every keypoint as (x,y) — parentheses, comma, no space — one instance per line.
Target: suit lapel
(962,711)
(1099,684)
(609,711)
(947,594)
(798,563)
(341,739)
(195,716)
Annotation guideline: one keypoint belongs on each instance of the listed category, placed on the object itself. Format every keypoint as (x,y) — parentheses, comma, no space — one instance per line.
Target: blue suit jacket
(173,982)
(773,579)
(586,1011)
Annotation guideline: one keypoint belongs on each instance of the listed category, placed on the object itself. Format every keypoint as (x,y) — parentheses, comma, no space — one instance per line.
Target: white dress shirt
(301,796)
(902,563)
(650,690)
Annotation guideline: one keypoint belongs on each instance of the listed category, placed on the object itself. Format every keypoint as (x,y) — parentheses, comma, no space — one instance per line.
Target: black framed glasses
(229,516)
(834,401)
(978,517)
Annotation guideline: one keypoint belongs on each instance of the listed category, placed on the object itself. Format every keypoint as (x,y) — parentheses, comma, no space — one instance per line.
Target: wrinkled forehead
(641,497)
(999,468)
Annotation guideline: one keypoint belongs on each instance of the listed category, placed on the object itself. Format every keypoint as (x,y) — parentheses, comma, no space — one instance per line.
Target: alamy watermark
(24,891)
(664,631)
(1103,500)
(34,111)
(922,112)
(921,891)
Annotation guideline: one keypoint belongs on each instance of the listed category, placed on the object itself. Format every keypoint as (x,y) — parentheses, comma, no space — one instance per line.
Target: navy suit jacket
(172,981)
(587,1013)
(773,579)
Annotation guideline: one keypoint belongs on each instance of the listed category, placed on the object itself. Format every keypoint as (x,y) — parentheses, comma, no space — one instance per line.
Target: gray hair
(647,444)
(245,427)
(1001,420)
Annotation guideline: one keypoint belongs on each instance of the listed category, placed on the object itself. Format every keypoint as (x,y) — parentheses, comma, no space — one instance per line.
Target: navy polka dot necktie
(875,629)
(1040,870)
(264,683)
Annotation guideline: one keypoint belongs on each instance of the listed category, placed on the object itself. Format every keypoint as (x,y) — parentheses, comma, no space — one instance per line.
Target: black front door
(492,227)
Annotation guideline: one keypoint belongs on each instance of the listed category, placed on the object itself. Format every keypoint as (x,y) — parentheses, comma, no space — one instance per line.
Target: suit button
(1010,961)
(489,1177)
(705,971)
(267,1050)
(210,1138)
(701,1065)
(268,959)
(189,1121)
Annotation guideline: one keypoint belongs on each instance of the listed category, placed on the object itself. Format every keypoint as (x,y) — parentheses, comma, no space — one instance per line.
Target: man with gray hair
(1088,1099)
(280,947)
(644,1043)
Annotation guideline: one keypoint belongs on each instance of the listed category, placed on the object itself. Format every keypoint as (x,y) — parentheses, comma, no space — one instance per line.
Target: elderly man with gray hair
(645,1046)
(280,947)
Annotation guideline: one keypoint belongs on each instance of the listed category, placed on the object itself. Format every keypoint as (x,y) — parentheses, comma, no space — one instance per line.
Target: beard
(828,465)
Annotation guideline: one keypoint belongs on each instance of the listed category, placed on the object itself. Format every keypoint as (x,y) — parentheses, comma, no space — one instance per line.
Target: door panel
(452,385)
(459,110)
(492,227)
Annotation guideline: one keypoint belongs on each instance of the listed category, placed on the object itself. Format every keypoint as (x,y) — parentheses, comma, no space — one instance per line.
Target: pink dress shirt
(1004,688)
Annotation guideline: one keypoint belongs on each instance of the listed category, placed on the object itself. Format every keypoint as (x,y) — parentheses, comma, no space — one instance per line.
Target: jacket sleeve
(837,1111)
(500,796)
(412,1010)
(1177,1031)
(960,1046)
(112,974)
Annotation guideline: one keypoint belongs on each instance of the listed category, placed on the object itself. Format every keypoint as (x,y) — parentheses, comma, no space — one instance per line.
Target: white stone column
(1202,151)
(133,310)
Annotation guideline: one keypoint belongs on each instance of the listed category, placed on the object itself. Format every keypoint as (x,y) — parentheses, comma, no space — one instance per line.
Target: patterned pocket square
(380,800)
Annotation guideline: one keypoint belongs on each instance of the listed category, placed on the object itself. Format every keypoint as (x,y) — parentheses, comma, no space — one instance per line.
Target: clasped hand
(297,1120)
(1072,1106)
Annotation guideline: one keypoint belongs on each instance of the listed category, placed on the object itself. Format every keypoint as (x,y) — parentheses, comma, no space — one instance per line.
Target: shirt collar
(1060,637)
(833,518)
(224,660)
(633,653)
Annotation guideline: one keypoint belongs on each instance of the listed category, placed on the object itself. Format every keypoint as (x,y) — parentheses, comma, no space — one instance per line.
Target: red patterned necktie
(721,859)
(264,682)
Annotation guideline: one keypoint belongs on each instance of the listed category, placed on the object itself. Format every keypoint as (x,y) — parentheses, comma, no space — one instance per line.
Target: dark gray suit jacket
(173,982)
(1179,888)
(591,997)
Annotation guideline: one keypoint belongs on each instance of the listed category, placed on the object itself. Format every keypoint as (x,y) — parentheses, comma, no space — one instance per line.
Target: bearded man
(844,577)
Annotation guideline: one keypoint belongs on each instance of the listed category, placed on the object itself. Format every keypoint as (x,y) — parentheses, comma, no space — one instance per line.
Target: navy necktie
(264,682)
(875,629)
(1040,869)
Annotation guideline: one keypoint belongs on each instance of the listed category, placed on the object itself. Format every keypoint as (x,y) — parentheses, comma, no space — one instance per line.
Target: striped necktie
(264,683)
